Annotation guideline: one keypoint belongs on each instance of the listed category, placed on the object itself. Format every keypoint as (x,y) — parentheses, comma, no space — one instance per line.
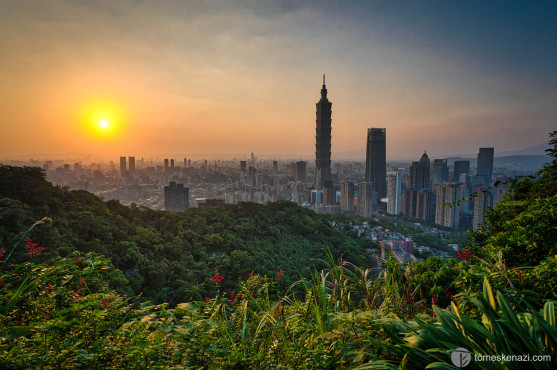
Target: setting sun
(103,123)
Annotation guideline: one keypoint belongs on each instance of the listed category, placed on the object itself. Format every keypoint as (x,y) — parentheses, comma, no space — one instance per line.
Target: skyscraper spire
(323,139)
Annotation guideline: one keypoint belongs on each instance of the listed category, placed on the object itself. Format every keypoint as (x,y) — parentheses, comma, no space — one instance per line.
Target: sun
(103,123)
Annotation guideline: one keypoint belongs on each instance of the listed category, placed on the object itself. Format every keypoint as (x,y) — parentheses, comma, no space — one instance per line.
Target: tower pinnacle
(323,139)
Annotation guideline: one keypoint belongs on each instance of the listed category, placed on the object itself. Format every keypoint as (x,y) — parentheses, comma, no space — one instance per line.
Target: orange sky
(189,78)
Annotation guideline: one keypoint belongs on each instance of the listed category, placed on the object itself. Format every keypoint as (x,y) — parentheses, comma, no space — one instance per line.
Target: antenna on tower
(323,80)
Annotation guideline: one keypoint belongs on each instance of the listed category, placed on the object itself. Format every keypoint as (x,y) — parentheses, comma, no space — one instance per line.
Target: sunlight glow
(101,119)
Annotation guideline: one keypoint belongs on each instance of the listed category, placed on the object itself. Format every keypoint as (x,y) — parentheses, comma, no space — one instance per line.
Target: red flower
(77,260)
(207,299)
(279,275)
(32,249)
(2,282)
(249,275)
(448,292)
(106,302)
(464,254)
(519,274)
(48,286)
(217,278)
(434,299)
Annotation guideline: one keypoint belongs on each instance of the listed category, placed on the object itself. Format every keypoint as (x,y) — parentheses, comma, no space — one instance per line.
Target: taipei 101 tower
(323,139)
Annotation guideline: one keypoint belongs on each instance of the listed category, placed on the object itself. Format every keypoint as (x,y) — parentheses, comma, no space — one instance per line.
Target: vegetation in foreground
(497,299)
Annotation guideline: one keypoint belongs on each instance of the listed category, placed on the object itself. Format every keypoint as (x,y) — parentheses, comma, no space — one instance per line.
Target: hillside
(168,257)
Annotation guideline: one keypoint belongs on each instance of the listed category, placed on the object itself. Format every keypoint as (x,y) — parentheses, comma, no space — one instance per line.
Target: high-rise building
(329,193)
(393,192)
(131,162)
(365,199)
(485,165)
(376,160)
(408,202)
(447,209)
(347,197)
(461,168)
(417,200)
(123,166)
(275,167)
(424,205)
(185,163)
(301,171)
(243,166)
(176,197)
(323,139)
(482,202)
(440,173)
(419,173)
(258,180)
(166,165)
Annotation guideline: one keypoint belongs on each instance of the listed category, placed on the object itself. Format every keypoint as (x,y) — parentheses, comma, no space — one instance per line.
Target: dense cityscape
(422,189)
(434,195)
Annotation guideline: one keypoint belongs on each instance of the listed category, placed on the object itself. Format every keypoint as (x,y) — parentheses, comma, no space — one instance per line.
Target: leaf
(488,294)
(17,331)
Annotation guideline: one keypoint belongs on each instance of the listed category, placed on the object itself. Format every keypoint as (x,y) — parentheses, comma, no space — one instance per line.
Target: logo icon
(461,357)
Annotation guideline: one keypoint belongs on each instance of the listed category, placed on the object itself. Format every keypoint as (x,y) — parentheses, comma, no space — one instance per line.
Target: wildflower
(434,299)
(206,299)
(2,282)
(106,302)
(432,314)
(32,249)
(217,278)
(464,254)
(519,274)
(48,286)
(279,275)
(77,260)
(448,292)
(249,275)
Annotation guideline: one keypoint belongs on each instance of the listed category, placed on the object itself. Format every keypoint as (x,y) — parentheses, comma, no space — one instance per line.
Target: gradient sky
(232,77)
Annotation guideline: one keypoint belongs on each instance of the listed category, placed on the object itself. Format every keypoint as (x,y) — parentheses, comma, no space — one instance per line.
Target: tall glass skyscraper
(323,139)
(376,160)
(485,164)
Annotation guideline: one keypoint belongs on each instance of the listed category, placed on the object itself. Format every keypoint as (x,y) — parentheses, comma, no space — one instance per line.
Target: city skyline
(235,78)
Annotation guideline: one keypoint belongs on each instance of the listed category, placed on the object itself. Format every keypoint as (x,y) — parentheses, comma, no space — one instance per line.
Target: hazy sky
(232,77)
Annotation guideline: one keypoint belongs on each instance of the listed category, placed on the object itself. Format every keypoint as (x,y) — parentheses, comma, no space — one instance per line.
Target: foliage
(503,330)
(167,257)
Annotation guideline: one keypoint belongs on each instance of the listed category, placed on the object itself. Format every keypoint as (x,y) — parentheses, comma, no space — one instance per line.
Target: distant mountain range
(535,150)
(531,150)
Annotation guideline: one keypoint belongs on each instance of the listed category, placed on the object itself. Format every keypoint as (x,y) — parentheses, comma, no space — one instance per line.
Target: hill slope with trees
(166,256)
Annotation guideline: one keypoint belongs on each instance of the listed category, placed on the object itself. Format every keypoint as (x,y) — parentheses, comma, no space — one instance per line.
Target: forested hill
(169,257)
